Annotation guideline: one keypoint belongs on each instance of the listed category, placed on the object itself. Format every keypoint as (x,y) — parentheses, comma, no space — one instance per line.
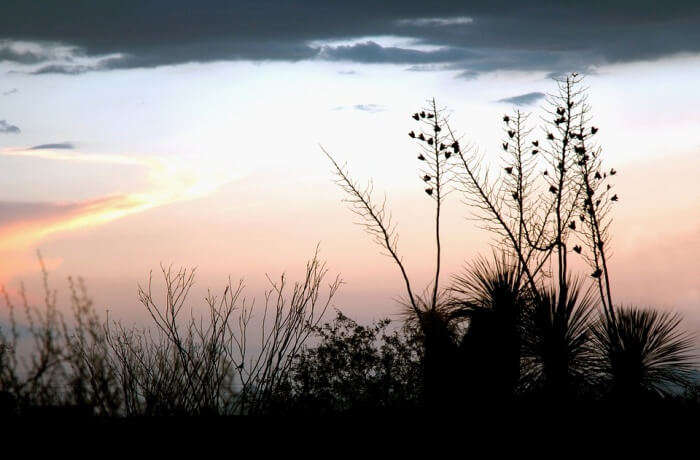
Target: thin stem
(438,200)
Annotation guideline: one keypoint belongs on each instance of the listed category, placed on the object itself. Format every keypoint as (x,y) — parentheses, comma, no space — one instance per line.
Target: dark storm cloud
(172,54)
(56,146)
(372,52)
(472,37)
(523,99)
(7,128)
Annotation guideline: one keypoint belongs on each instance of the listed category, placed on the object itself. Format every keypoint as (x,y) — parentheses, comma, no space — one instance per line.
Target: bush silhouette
(490,297)
(643,353)
(354,369)
(558,355)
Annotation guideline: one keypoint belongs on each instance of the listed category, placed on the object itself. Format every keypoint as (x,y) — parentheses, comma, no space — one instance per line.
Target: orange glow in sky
(170,182)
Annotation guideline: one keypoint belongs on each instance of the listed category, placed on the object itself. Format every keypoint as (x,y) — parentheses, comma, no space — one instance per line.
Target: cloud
(523,99)
(57,146)
(173,55)
(7,128)
(427,67)
(10,92)
(370,108)
(66,69)
(7,53)
(31,52)
(372,52)
(12,212)
(468,74)
(473,37)
(23,225)
(435,22)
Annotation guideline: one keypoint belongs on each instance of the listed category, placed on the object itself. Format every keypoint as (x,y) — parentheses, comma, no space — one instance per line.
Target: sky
(141,134)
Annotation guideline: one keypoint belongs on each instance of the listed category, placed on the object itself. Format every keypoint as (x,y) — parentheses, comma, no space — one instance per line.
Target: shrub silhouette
(490,297)
(557,341)
(354,369)
(643,353)
(67,367)
(183,366)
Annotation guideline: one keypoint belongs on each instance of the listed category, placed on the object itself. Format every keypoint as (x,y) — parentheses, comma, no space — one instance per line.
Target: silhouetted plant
(559,155)
(557,352)
(435,172)
(490,296)
(533,215)
(92,379)
(193,366)
(182,367)
(596,199)
(534,218)
(353,369)
(643,353)
(375,219)
(186,365)
(65,365)
(501,205)
(582,194)
(520,205)
(438,331)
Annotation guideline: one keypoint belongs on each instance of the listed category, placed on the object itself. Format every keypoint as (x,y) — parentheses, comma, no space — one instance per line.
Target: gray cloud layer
(7,128)
(523,99)
(471,37)
(56,146)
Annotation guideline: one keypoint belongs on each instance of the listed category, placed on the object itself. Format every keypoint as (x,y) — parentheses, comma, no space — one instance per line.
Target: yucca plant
(436,145)
(557,339)
(438,331)
(489,295)
(643,353)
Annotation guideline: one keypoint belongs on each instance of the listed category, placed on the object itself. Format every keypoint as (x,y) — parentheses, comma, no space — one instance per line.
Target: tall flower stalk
(434,155)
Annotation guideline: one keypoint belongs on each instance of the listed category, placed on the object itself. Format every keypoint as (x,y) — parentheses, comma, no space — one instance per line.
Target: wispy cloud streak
(171,180)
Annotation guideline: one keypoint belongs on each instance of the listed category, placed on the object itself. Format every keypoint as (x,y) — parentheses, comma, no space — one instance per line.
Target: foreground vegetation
(517,327)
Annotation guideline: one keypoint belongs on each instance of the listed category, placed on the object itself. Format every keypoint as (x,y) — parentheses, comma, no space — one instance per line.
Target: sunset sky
(189,133)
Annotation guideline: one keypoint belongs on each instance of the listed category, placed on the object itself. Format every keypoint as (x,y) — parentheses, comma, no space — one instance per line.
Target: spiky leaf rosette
(557,337)
(644,351)
(490,296)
